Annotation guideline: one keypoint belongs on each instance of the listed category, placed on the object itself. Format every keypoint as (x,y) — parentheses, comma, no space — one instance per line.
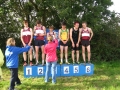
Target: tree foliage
(104,23)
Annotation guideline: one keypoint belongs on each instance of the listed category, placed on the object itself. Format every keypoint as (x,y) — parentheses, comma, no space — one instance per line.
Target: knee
(73,52)
(89,52)
(36,52)
(61,51)
(30,53)
(77,52)
(83,51)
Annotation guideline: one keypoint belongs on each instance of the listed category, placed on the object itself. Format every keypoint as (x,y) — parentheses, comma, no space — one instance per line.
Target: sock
(42,61)
(37,61)
(62,60)
(24,61)
(66,60)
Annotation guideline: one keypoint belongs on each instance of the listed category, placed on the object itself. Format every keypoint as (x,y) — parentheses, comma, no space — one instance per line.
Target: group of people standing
(76,35)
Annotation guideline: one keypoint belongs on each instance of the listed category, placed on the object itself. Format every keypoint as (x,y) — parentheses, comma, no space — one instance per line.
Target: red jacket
(50,51)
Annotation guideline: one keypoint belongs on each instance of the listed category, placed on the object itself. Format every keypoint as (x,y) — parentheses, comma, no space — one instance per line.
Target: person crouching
(51,58)
(12,53)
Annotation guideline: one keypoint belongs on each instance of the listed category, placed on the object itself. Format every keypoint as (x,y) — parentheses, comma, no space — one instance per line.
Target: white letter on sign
(66,70)
(28,71)
(40,70)
(76,69)
(88,69)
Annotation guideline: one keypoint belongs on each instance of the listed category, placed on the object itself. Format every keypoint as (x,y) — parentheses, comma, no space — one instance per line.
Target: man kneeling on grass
(11,53)
(51,58)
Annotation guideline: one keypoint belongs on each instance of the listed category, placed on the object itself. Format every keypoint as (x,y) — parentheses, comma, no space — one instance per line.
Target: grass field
(106,77)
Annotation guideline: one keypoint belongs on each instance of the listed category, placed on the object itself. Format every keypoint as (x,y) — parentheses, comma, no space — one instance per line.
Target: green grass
(106,77)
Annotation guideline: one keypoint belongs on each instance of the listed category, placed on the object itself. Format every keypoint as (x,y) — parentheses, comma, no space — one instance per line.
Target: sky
(115,6)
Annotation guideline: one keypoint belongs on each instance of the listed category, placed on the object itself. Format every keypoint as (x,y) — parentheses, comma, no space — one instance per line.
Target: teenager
(39,32)
(64,37)
(86,34)
(12,60)
(51,58)
(75,40)
(51,32)
(26,38)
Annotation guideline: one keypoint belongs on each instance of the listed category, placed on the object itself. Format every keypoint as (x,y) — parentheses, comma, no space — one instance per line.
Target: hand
(64,42)
(36,34)
(29,44)
(77,45)
(90,39)
(73,45)
(24,44)
(41,34)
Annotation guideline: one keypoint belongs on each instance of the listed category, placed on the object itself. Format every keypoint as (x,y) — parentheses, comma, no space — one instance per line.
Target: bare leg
(66,54)
(89,53)
(83,53)
(77,55)
(73,55)
(30,54)
(36,53)
(43,54)
(24,56)
(61,53)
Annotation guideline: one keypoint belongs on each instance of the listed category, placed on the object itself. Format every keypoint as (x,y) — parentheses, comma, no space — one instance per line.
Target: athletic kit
(85,37)
(26,35)
(39,41)
(51,34)
(64,37)
(75,35)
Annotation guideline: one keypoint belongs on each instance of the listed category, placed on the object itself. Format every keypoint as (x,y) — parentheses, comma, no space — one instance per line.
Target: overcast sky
(115,6)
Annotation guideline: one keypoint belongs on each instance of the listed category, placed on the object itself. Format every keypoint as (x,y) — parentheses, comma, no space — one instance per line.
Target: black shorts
(39,42)
(62,44)
(76,48)
(85,43)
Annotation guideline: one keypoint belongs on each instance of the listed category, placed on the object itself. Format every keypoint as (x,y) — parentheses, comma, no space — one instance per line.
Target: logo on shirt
(8,53)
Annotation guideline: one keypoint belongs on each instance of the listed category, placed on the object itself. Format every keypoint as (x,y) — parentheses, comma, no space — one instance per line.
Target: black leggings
(14,78)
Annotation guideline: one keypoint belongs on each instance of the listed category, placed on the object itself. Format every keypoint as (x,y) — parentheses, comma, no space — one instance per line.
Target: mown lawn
(106,77)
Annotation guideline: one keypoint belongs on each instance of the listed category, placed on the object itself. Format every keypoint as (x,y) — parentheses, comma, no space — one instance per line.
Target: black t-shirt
(75,35)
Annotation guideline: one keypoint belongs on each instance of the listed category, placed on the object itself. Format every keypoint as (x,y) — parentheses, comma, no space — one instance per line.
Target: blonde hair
(10,42)
(50,38)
